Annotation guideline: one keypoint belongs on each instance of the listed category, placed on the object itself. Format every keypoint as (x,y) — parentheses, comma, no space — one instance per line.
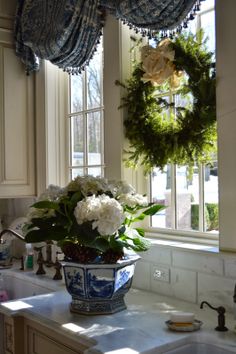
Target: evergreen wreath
(188,134)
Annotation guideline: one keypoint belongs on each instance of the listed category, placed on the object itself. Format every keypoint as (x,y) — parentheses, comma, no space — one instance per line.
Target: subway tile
(157,254)
(185,284)
(199,262)
(141,279)
(182,285)
(218,291)
(230,268)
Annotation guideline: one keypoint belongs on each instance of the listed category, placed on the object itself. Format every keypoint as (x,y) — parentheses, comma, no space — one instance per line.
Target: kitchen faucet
(20,237)
(40,260)
(12,232)
(221,316)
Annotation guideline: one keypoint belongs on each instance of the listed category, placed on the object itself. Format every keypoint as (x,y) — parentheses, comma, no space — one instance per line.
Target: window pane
(183,199)
(86,119)
(187,191)
(76,93)
(208,24)
(94,138)
(77,140)
(77,172)
(211,197)
(94,80)
(95,171)
(161,194)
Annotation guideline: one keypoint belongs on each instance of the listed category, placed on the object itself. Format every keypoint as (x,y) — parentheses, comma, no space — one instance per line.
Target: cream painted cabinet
(24,336)
(17,115)
(41,340)
(13,335)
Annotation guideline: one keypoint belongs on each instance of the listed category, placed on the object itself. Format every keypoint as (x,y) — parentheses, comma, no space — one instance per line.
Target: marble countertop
(140,328)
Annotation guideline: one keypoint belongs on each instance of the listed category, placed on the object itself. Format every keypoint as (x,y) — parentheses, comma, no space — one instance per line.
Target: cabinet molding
(40,340)
(17,115)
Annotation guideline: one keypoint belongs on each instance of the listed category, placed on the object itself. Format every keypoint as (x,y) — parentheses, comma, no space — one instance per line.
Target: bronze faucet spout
(221,316)
(12,232)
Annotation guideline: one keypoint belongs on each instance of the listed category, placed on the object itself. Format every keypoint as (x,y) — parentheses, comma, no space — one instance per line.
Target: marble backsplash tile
(193,275)
(200,262)
(216,290)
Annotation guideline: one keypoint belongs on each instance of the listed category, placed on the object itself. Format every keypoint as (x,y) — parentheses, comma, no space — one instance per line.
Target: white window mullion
(102,141)
(85,119)
(201,199)
(173,197)
(202,225)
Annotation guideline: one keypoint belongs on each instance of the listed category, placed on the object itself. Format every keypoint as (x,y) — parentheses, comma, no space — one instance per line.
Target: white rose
(157,63)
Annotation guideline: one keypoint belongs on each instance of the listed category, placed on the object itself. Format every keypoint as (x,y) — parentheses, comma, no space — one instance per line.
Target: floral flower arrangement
(91,219)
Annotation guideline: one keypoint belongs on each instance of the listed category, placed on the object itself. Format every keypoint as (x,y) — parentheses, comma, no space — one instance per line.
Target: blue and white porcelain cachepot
(99,288)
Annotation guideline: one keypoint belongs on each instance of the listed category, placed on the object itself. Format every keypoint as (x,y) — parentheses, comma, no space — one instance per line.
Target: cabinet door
(13,335)
(39,343)
(39,339)
(17,97)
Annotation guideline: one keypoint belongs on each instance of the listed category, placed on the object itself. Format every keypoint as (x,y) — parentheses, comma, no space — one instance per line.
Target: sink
(201,348)
(20,288)
(20,284)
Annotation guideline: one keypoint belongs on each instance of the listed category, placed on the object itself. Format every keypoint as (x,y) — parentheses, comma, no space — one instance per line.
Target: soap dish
(184,328)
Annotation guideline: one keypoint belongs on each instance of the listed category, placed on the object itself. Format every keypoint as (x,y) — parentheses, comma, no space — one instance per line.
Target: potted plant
(92,220)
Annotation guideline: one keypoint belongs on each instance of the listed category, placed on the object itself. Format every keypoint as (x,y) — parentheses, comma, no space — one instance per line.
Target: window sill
(187,242)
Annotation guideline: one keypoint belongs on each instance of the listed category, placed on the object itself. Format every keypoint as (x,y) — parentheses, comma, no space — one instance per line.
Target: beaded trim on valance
(153,15)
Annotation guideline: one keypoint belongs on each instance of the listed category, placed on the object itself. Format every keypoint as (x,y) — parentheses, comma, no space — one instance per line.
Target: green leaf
(101,244)
(154,209)
(140,244)
(140,231)
(46,204)
(149,212)
(76,197)
(116,244)
(43,223)
(41,235)
(84,233)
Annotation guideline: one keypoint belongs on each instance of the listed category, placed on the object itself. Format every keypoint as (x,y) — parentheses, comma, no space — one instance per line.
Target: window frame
(174,230)
(118,67)
(84,116)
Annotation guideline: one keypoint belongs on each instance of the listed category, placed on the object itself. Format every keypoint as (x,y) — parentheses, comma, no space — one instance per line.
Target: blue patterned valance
(66,32)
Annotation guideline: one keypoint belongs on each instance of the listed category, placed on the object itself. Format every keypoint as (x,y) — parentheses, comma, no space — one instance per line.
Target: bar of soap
(182,317)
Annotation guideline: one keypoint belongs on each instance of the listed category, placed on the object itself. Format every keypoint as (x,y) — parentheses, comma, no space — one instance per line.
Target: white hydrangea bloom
(35,213)
(132,200)
(88,185)
(120,187)
(52,193)
(105,213)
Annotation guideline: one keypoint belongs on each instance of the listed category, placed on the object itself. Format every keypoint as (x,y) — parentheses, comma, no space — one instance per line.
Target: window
(192,202)
(86,119)
(117,50)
